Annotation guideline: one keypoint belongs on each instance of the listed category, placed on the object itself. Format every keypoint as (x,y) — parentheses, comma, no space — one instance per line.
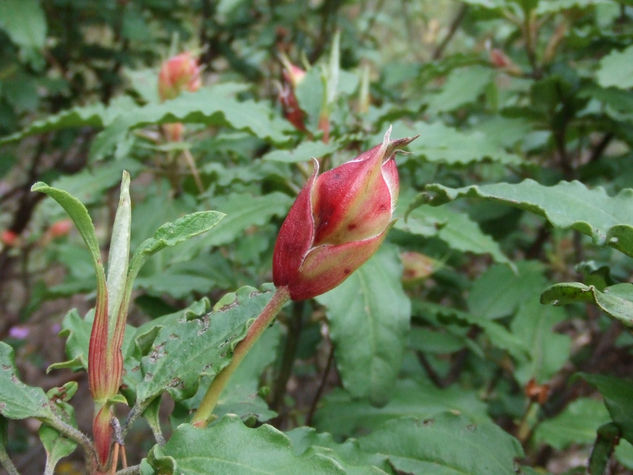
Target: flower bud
(177,74)
(60,228)
(337,222)
(9,238)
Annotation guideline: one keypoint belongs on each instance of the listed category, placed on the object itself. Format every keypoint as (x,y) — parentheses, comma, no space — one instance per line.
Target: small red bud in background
(60,228)
(174,132)
(416,266)
(293,76)
(177,74)
(9,238)
(337,222)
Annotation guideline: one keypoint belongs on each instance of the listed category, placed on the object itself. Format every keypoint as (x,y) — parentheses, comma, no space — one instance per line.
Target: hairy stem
(202,415)
(79,437)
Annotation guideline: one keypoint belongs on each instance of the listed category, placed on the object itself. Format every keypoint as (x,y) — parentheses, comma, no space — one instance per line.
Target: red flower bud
(177,74)
(291,108)
(337,222)
(9,238)
(60,228)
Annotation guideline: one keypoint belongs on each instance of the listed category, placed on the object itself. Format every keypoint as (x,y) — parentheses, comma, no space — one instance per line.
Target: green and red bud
(102,433)
(179,73)
(293,76)
(337,222)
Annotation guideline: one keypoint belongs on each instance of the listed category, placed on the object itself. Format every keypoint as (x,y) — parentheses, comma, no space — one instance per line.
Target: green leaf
(119,253)
(549,351)
(577,424)
(616,300)
(565,205)
(92,116)
(445,444)
(348,454)
(172,234)
(498,335)
(244,211)
(369,317)
(241,395)
(616,69)
(230,447)
(209,106)
(499,291)
(439,143)
(56,445)
(343,415)
(456,229)
(79,214)
(553,6)
(17,400)
(183,351)
(24,22)
(303,152)
(463,86)
(618,397)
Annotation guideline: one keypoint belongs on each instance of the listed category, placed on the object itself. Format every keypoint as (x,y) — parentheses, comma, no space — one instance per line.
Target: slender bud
(337,222)
(102,433)
(293,76)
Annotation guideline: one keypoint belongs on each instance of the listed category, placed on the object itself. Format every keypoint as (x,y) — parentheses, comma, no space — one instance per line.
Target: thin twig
(319,392)
(461,13)
(430,371)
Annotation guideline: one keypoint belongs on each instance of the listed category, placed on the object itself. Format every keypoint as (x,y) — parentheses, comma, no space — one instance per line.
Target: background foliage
(495,320)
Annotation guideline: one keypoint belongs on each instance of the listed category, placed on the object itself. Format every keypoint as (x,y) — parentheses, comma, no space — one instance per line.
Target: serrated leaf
(230,447)
(616,300)
(463,86)
(343,415)
(618,397)
(348,454)
(92,115)
(445,444)
(244,211)
(577,424)
(211,106)
(565,205)
(439,143)
(17,400)
(183,351)
(369,317)
(616,69)
(456,229)
(302,152)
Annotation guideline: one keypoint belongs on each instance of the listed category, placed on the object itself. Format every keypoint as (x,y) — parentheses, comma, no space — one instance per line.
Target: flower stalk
(266,317)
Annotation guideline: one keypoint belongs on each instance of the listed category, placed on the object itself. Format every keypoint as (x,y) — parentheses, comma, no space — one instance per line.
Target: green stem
(6,462)
(270,311)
